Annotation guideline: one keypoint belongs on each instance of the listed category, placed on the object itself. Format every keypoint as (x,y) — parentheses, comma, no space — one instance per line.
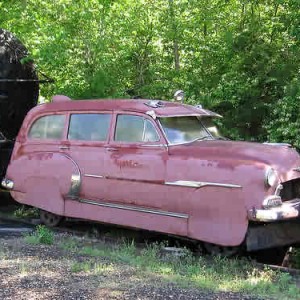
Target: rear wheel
(49,219)
(225,251)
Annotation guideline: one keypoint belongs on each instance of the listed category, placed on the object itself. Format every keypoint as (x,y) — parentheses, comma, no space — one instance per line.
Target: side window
(48,127)
(135,129)
(89,127)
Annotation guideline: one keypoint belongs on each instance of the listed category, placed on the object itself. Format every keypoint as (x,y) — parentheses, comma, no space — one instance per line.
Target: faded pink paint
(135,175)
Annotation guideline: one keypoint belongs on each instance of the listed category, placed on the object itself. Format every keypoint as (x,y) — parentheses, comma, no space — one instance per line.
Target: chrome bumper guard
(7,184)
(286,211)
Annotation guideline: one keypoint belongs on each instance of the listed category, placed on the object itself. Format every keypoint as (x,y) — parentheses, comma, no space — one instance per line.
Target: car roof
(160,108)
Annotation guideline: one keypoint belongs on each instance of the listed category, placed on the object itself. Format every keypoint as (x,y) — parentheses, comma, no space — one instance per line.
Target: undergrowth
(213,273)
(26,212)
(42,235)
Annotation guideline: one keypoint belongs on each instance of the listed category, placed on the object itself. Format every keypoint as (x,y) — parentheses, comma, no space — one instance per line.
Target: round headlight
(271,177)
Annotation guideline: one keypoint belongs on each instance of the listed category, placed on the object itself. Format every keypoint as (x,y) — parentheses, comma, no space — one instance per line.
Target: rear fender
(44,180)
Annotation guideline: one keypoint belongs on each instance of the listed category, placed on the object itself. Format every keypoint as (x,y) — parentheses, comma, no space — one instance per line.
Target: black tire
(272,256)
(224,251)
(49,219)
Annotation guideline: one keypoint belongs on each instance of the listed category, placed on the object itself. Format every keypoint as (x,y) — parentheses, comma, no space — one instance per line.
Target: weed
(2,254)
(42,235)
(26,212)
(81,266)
(69,244)
(23,269)
(126,252)
(91,251)
(91,267)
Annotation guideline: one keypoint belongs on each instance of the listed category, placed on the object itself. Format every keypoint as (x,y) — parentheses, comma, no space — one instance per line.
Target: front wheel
(49,219)
(272,256)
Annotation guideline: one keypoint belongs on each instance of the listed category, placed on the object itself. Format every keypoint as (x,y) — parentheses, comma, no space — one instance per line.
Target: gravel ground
(45,272)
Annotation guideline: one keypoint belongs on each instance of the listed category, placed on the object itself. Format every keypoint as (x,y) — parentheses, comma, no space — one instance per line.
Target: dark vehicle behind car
(19,89)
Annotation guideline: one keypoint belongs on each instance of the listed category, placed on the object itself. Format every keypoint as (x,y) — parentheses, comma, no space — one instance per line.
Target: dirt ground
(45,272)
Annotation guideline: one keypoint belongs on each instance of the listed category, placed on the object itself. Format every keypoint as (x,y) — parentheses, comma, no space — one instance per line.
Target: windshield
(188,129)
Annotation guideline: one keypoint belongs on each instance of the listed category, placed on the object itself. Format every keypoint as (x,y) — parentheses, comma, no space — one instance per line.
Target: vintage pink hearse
(155,165)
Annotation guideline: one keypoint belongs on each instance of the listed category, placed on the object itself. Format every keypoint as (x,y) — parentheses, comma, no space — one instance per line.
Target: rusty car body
(155,165)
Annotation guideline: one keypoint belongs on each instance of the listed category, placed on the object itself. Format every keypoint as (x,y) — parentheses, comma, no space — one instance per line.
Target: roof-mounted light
(154,103)
(179,96)
(198,106)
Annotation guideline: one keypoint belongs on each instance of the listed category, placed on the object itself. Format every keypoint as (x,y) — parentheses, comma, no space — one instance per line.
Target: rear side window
(89,127)
(135,129)
(48,127)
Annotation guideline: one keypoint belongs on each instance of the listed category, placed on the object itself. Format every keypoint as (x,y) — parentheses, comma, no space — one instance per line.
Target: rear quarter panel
(42,179)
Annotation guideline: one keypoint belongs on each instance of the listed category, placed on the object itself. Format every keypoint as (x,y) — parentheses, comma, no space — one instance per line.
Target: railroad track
(103,232)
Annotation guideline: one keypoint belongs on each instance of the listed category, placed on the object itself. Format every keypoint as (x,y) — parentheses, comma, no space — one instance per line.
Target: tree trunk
(174,36)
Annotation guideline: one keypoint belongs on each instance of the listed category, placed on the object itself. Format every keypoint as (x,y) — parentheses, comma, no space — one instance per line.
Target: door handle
(111,149)
(64,147)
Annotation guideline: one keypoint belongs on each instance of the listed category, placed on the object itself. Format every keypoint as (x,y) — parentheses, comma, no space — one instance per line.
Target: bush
(42,235)
(26,212)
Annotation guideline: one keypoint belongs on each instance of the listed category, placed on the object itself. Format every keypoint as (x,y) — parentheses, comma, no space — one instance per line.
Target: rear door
(87,137)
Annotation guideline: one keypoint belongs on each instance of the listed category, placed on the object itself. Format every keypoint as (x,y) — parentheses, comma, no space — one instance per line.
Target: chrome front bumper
(288,210)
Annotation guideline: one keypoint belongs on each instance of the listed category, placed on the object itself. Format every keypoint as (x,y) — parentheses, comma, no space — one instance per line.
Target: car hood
(281,158)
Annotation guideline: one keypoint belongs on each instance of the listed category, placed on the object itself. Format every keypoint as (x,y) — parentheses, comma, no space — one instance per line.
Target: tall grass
(213,273)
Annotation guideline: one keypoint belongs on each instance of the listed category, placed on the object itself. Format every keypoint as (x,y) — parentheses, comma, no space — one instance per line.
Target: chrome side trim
(93,176)
(75,186)
(154,145)
(197,184)
(75,179)
(136,208)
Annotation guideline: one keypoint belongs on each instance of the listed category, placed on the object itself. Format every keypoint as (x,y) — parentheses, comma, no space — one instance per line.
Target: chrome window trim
(184,143)
(153,145)
(136,208)
(145,119)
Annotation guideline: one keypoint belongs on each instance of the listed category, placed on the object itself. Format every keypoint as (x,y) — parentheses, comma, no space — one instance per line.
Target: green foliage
(42,235)
(214,273)
(240,58)
(26,212)
(284,125)
(296,258)
(69,244)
